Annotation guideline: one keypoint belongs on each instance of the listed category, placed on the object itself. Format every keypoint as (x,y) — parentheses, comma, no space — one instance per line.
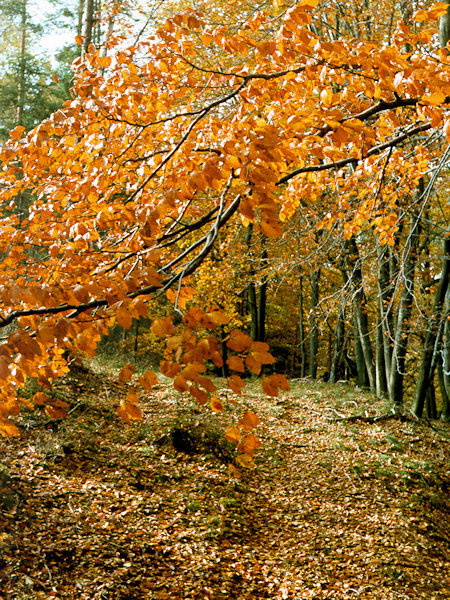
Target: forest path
(97,509)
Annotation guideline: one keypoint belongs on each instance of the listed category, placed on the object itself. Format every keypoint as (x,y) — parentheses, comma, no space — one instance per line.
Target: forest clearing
(97,509)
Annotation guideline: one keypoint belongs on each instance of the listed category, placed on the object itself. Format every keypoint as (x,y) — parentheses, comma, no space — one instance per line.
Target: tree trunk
(426,369)
(383,347)
(444,27)
(301,326)
(88,24)
(338,348)
(21,85)
(313,323)
(361,321)
(402,325)
(445,412)
(262,301)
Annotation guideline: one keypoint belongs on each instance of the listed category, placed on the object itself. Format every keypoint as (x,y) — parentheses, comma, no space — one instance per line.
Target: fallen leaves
(328,513)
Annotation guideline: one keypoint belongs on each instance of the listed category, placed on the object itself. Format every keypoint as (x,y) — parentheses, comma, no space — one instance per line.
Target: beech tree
(169,141)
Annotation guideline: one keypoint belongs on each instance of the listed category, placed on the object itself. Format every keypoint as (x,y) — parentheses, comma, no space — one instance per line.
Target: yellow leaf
(326,96)
(232,434)
(434,99)
(246,461)
(307,4)
(8,429)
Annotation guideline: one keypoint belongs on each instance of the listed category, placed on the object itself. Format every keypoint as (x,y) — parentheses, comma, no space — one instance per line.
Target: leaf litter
(93,508)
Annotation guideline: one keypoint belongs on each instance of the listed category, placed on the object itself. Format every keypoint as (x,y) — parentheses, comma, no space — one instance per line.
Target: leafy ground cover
(96,509)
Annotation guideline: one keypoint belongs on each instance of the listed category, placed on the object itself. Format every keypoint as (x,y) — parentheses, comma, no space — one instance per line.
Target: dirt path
(98,510)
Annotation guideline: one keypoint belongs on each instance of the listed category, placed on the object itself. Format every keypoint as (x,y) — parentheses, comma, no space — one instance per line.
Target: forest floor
(92,508)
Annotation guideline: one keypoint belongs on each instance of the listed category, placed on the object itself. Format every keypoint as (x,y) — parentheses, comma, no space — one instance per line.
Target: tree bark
(338,348)
(313,323)
(426,369)
(21,79)
(88,24)
(301,326)
(361,322)
(444,27)
(402,325)
(262,302)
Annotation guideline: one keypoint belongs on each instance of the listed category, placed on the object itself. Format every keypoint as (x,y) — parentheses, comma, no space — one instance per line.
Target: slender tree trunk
(402,325)
(262,302)
(301,326)
(444,27)
(88,24)
(338,348)
(361,321)
(426,369)
(383,354)
(445,412)
(80,17)
(21,87)
(313,323)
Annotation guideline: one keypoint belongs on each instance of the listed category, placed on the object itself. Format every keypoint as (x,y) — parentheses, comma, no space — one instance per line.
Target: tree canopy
(171,141)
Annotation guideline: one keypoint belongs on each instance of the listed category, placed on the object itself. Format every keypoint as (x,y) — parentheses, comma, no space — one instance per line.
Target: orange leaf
(123,317)
(55,412)
(149,380)
(273,382)
(434,99)
(235,472)
(236,364)
(239,342)
(235,383)
(253,365)
(132,397)
(162,327)
(40,398)
(218,317)
(249,421)
(8,429)
(129,412)
(16,133)
(249,443)
(180,383)
(200,395)
(4,371)
(169,369)
(216,405)
(126,373)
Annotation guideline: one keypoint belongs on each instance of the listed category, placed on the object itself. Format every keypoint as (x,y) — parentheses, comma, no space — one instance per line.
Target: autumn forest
(225,260)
